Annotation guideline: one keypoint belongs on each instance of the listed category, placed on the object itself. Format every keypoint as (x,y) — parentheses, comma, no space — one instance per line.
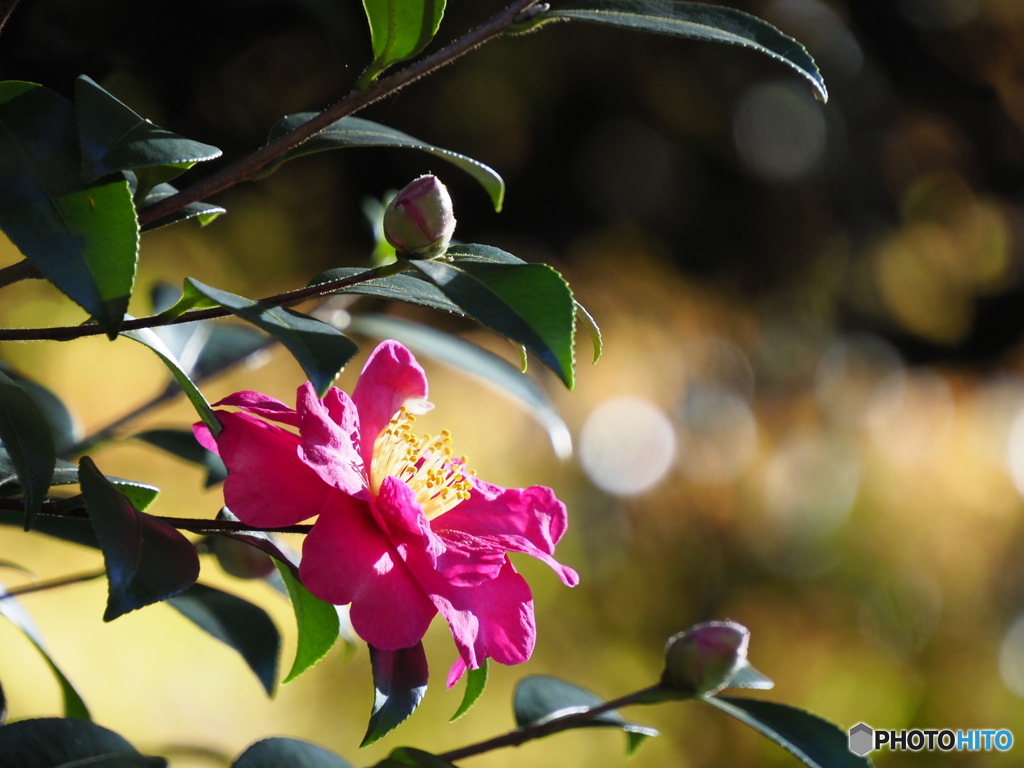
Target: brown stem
(41,586)
(529,733)
(68,332)
(248,166)
(23,270)
(6,9)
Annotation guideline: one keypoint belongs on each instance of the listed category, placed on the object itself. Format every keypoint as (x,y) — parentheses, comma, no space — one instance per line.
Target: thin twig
(6,9)
(69,332)
(529,733)
(41,586)
(248,166)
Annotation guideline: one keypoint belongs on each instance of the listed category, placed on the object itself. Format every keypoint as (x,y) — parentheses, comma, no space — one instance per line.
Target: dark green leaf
(115,138)
(476,681)
(530,304)
(408,756)
(182,443)
(320,349)
(59,743)
(28,442)
(410,288)
(238,624)
(540,698)
(357,132)
(148,337)
(815,742)
(147,560)
(84,239)
(287,753)
(74,707)
(316,620)
(203,212)
(697,21)
(399,29)
(400,682)
(62,425)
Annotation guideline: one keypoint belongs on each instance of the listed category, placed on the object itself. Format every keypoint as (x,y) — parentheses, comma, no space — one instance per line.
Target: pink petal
(347,558)
(390,379)
(459,560)
(262,405)
(329,433)
(492,620)
(529,520)
(268,485)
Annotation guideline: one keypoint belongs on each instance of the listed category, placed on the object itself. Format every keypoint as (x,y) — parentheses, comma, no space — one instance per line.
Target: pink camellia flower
(404,529)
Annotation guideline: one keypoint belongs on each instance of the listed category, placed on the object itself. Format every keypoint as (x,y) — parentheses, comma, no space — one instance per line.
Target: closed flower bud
(419,222)
(703,659)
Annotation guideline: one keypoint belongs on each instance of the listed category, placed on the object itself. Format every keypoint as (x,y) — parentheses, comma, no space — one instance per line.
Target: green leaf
(408,287)
(696,21)
(114,138)
(409,756)
(83,238)
(316,620)
(400,682)
(203,212)
(28,442)
(530,304)
(320,349)
(399,29)
(476,681)
(540,698)
(148,337)
(53,742)
(74,706)
(238,624)
(468,357)
(56,414)
(357,132)
(147,560)
(182,443)
(280,752)
(812,740)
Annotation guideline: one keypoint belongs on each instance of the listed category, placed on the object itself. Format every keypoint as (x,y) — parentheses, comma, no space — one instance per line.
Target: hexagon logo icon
(861,739)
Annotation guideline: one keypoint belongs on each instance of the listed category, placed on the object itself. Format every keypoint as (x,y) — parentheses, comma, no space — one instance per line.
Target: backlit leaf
(317,623)
(399,29)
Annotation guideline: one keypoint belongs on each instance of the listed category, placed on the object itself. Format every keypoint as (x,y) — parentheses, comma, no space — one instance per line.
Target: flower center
(425,464)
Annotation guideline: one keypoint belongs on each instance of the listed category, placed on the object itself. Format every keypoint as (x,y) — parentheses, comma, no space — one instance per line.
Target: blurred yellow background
(810,413)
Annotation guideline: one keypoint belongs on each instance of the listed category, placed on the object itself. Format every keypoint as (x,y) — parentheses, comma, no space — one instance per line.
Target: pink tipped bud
(703,659)
(419,222)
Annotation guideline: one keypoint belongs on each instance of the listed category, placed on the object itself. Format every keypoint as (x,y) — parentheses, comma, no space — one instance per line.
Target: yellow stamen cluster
(424,463)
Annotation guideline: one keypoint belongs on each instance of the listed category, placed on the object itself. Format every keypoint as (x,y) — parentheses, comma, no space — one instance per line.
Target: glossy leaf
(812,740)
(540,698)
(83,238)
(316,620)
(147,560)
(320,349)
(182,443)
(28,442)
(399,29)
(114,138)
(281,752)
(74,706)
(204,213)
(476,681)
(400,682)
(476,361)
(409,756)
(358,132)
(237,623)
(57,416)
(53,742)
(409,287)
(530,304)
(697,21)
(148,337)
